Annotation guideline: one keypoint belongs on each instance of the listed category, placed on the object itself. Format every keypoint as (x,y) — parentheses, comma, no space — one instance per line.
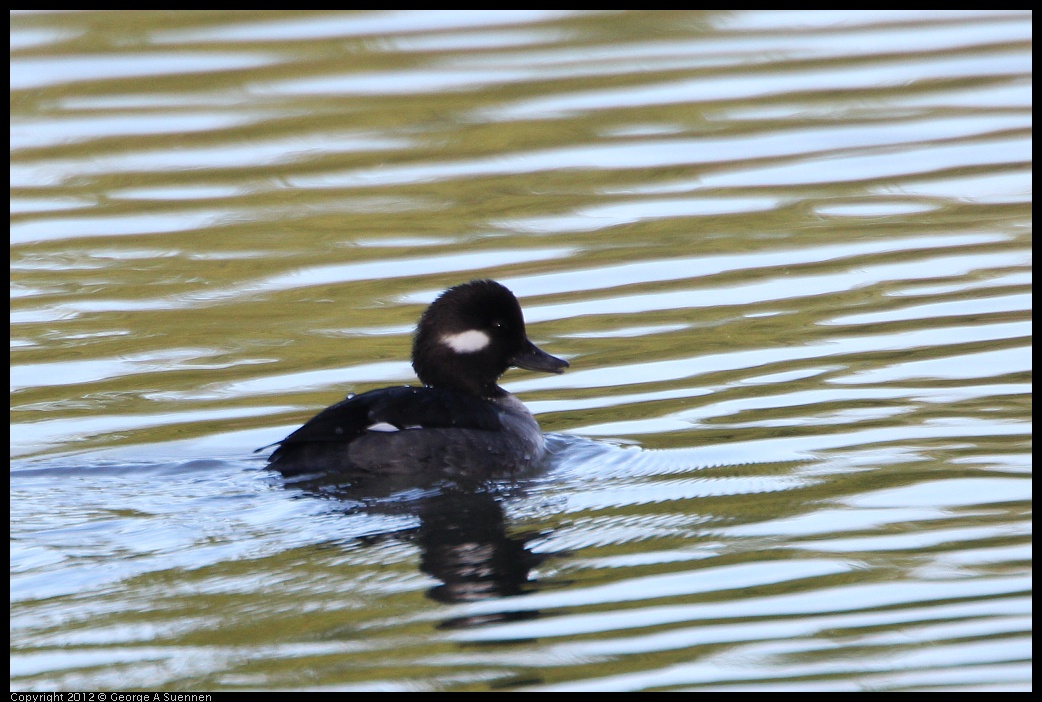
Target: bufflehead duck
(460,424)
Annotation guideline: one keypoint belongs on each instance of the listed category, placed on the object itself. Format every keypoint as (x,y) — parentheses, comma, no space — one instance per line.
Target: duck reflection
(463,535)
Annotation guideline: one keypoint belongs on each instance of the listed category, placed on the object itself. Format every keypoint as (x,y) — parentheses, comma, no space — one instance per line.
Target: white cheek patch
(466,342)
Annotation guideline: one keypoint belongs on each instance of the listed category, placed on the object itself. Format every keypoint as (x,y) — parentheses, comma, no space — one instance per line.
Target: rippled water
(788,255)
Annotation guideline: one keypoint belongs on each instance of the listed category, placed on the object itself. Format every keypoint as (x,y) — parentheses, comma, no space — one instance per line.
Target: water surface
(788,255)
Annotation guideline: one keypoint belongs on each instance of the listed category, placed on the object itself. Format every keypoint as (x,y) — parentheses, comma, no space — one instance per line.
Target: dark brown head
(470,335)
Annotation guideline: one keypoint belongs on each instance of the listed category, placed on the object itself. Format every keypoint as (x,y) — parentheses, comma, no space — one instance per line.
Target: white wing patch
(381,426)
(466,342)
